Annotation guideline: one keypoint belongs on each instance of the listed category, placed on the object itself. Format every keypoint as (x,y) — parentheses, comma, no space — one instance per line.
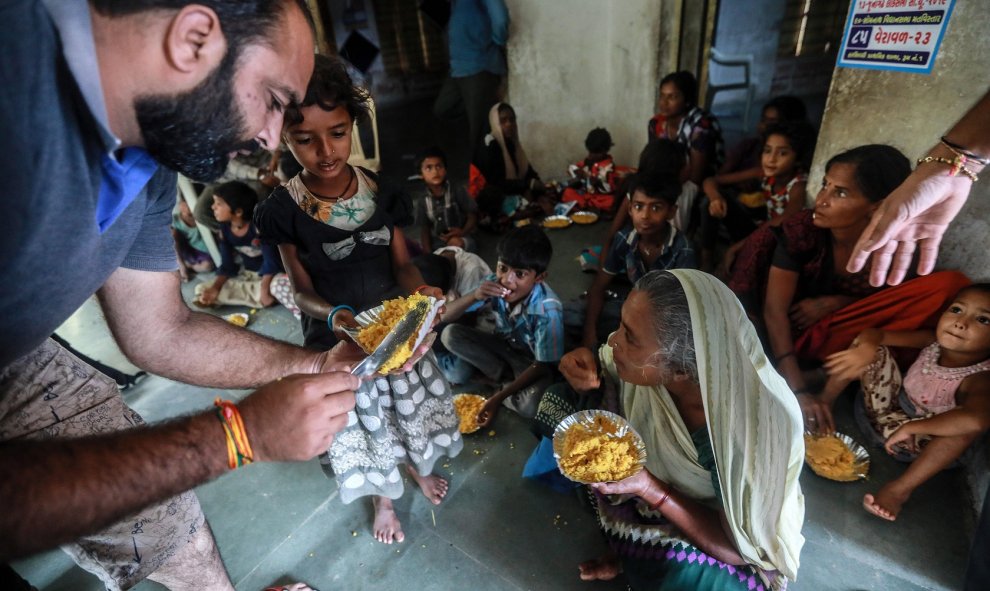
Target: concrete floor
(278,523)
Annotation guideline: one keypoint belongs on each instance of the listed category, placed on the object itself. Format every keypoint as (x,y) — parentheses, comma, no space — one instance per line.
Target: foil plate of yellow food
(238,319)
(556,222)
(375,324)
(597,446)
(584,217)
(836,457)
(467,407)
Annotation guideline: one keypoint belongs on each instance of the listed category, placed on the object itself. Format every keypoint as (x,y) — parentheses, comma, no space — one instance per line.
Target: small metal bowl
(587,417)
(861,458)
(584,217)
(557,222)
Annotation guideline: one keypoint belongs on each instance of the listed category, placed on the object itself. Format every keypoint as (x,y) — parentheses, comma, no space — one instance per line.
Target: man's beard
(194,132)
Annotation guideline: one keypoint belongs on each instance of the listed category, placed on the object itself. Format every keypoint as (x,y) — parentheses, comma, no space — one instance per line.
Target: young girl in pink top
(931,415)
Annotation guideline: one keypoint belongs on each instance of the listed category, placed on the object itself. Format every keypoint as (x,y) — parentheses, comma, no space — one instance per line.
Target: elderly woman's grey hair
(671,324)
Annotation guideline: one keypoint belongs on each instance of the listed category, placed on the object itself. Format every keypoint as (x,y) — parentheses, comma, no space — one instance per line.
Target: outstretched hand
(295,418)
(915,216)
(850,363)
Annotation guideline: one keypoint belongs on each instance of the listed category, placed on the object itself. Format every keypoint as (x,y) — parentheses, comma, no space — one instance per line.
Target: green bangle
(334,311)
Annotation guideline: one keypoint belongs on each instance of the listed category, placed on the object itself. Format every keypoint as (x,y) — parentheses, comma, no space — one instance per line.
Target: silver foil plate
(861,458)
(587,418)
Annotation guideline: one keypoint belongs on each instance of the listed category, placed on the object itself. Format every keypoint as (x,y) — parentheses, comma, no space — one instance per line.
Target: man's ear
(194,42)
(539,278)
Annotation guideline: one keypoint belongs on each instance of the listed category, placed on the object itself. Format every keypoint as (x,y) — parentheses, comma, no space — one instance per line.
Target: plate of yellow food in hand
(556,222)
(375,324)
(836,457)
(597,446)
(584,217)
(467,407)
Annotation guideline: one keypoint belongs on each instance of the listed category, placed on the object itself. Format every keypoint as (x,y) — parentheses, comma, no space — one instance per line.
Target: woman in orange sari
(811,306)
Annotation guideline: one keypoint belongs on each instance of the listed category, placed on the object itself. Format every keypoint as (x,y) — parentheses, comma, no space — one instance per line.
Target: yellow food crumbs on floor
(491,433)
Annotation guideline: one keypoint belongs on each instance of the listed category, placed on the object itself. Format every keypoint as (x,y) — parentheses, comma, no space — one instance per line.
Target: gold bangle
(956,165)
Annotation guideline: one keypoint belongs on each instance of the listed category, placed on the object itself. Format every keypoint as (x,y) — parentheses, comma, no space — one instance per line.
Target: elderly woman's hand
(580,370)
(639,484)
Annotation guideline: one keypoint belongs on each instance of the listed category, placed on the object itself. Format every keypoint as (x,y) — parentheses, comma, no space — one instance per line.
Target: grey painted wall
(579,64)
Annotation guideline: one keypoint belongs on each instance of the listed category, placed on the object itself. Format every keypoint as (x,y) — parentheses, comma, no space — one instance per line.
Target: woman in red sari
(811,306)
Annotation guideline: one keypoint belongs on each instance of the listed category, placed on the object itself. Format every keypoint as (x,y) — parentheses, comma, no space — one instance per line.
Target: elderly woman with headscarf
(718,505)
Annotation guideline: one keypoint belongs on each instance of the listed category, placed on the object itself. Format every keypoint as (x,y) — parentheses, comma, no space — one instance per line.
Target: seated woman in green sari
(718,505)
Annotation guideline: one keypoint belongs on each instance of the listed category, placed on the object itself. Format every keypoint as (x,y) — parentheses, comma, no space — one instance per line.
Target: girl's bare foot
(605,568)
(434,487)
(887,503)
(387,528)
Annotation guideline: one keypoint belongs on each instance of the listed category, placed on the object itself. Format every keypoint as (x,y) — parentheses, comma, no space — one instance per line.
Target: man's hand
(580,370)
(916,215)
(295,418)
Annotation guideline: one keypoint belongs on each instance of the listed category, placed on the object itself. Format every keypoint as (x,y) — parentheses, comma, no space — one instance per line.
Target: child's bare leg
(935,457)
(387,528)
(434,487)
(604,568)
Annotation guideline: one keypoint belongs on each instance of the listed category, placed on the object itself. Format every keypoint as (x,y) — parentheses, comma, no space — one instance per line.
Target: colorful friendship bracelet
(335,310)
(956,165)
(239,452)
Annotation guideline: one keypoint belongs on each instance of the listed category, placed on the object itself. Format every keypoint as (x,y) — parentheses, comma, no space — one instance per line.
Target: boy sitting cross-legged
(529,326)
